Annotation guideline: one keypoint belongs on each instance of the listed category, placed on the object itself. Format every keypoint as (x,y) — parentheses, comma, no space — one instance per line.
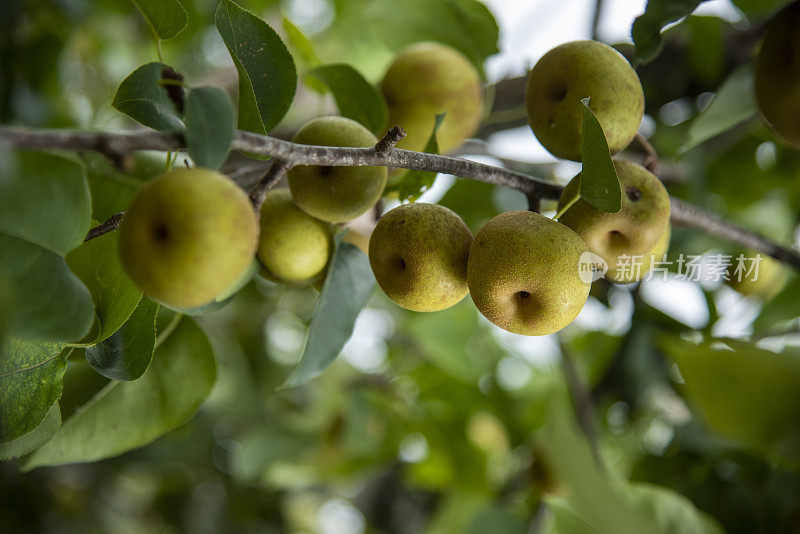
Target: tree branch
(112,223)
(274,174)
(118,146)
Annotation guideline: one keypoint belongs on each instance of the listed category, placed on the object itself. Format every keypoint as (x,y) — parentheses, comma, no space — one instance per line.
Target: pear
(637,268)
(571,72)
(294,247)
(777,76)
(523,273)
(764,284)
(188,235)
(633,231)
(418,253)
(336,194)
(427,79)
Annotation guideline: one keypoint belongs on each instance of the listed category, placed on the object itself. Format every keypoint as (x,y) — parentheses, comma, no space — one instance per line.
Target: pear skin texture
(294,247)
(336,194)
(188,235)
(571,72)
(627,274)
(427,79)
(777,76)
(418,253)
(523,273)
(633,231)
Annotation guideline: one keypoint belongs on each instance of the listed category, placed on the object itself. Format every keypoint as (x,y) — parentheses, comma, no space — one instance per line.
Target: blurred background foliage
(434,422)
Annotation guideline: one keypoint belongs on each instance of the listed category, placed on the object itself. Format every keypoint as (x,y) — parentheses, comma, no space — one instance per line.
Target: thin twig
(598,11)
(274,174)
(582,398)
(120,145)
(112,223)
(650,161)
(392,137)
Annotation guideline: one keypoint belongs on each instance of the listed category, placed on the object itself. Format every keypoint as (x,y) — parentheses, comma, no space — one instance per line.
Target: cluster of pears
(522,269)
(190,236)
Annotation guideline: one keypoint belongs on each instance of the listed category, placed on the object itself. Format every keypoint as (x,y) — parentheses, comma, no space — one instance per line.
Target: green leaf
(356,97)
(165,17)
(734,103)
(97,264)
(44,199)
(46,300)
(30,382)
(127,354)
(210,123)
(411,184)
(16,448)
(348,286)
(300,43)
(127,415)
(646,30)
(466,25)
(141,97)
(745,393)
(599,181)
(267,75)
(782,308)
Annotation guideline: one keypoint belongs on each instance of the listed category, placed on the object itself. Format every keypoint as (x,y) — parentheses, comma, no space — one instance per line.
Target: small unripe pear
(633,231)
(418,253)
(336,194)
(524,273)
(571,72)
(427,79)
(294,247)
(764,283)
(188,235)
(777,77)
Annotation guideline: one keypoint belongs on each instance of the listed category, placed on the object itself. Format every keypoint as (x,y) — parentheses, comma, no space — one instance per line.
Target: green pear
(427,79)
(523,273)
(418,253)
(294,247)
(777,77)
(571,72)
(633,231)
(188,235)
(336,194)
(637,268)
(764,284)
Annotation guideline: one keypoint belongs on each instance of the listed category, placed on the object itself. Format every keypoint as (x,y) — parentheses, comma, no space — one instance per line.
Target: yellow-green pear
(765,282)
(777,77)
(294,247)
(427,79)
(336,194)
(637,268)
(188,235)
(633,231)
(524,273)
(418,253)
(571,72)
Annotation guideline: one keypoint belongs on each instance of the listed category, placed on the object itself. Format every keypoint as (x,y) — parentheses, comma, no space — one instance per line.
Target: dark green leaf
(411,184)
(141,97)
(127,354)
(210,123)
(356,97)
(127,415)
(97,264)
(34,439)
(165,17)
(599,181)
(348,285)
(46,300)
(646,30)
(745,393)
(734,103)
(267,76)
(44,199)
(30,382)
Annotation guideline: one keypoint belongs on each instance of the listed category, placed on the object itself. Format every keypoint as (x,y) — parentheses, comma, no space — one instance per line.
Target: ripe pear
(418,253)
(777,76)
(633,231)
(523,273)
(638,268)
(336,194)
(571,72)
(188,235)
(764,284)
(294,247)
(427,79)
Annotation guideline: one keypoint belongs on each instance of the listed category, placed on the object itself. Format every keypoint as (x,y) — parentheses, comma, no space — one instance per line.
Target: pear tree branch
(119,145)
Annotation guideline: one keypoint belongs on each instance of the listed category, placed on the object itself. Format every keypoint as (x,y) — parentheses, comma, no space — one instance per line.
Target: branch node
(112,223)
(274,174)
(392,137)
(119,157)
